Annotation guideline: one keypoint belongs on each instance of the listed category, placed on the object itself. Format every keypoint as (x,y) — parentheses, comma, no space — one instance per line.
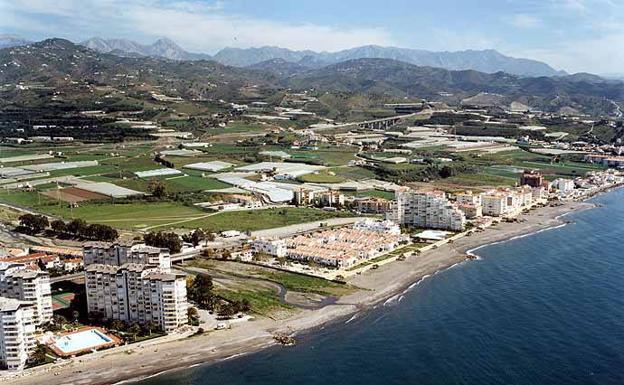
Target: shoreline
(133,363)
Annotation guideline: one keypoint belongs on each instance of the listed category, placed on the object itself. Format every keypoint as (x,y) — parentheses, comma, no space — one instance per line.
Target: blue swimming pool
(86,339)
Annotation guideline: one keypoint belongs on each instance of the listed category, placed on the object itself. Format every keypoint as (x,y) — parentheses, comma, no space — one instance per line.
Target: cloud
(195,25)
(524,21)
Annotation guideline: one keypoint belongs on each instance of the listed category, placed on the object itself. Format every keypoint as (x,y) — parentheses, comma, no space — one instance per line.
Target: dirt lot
(74,195)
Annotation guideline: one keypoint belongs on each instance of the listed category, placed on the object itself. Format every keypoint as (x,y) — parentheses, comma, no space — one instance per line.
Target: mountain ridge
(489,60)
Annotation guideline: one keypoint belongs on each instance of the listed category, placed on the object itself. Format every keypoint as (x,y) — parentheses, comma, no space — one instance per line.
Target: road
(287,231)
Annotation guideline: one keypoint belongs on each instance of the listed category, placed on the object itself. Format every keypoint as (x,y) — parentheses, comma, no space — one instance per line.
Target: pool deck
(61,353)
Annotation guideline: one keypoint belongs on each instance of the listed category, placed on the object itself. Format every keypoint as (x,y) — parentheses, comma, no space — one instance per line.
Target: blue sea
(542,309)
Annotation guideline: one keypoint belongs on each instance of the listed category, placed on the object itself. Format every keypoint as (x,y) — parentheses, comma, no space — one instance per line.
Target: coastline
(128,364)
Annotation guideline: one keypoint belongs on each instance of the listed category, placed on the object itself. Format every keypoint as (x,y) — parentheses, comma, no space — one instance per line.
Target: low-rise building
(275,247)
(369,224)
(373,205)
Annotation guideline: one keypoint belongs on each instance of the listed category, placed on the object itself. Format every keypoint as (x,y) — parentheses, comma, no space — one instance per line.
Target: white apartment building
(33,286)
(17,328)
(494,204)
(565,186)
(469,198)
(137,293)
(276,248)
(507,201)
(377,226)
(117,254)
(427,210)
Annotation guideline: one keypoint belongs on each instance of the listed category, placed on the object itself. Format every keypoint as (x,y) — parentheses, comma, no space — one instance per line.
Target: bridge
(375,124)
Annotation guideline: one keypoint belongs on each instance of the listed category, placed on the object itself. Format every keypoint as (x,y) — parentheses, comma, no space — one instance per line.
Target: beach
(387,283)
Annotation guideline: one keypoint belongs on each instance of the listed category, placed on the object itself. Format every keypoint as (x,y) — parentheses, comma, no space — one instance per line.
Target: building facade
(33,286)
(427,210)
(137,293)
(17,328)
(117,254)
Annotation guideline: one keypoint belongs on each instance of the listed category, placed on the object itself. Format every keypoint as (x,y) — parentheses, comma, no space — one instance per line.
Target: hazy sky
(575,35)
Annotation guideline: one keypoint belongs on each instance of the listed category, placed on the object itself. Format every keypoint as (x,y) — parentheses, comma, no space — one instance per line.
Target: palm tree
(150,326)
(134,330)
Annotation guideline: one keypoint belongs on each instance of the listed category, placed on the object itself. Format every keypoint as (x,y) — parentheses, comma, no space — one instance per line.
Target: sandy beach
(132,362)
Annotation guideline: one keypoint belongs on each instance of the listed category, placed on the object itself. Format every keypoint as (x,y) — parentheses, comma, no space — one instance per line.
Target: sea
(546,308)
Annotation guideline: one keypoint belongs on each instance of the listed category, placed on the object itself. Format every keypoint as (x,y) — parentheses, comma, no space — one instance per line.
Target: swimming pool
(82,340)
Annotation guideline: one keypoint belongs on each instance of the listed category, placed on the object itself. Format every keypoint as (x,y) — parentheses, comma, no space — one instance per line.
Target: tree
(101,232)
(195,237)
(58,226)
(164,240)
(200,291)
(157,188)
(193,315)
(33,223)
(150,326)
(77,227)
(118,325)
(245,305)
(40,354)
(134,330)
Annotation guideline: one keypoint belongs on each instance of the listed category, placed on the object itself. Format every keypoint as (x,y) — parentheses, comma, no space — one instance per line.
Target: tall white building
(137,293)
(117,254)
(18,282)
(17,328)
(427,210)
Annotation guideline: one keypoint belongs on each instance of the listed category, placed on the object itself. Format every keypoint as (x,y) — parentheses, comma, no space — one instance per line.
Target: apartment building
(276,247)
(470,204)
(532,178)
(117,254)
(373,205)
(137,293)
(17,328)
(33,286)
(427,210)
(504,202)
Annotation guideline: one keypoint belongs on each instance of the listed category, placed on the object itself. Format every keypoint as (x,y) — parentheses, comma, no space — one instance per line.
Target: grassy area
(8,215)
(251,220)
(371,194)
(321,177)
(174,185)
(305,284)
(263,302)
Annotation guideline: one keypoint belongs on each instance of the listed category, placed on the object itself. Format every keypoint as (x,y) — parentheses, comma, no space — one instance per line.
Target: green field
(263,302)
(251,220)
(304,283)
(321,177)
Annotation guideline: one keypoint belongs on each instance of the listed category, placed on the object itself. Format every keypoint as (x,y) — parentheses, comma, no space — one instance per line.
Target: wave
(472,253)
(353,317)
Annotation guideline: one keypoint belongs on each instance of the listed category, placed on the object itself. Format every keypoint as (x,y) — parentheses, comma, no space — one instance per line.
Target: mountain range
(8,41)
(489,61)
(163,48)
(54,61)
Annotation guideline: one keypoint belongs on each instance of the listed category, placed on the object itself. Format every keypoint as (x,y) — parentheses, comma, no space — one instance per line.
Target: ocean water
(543,309)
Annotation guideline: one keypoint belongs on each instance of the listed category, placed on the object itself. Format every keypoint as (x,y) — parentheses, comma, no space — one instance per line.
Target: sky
(574,35)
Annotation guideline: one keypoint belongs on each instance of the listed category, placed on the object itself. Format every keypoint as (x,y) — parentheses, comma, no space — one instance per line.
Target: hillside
(57,62)
(406,80)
